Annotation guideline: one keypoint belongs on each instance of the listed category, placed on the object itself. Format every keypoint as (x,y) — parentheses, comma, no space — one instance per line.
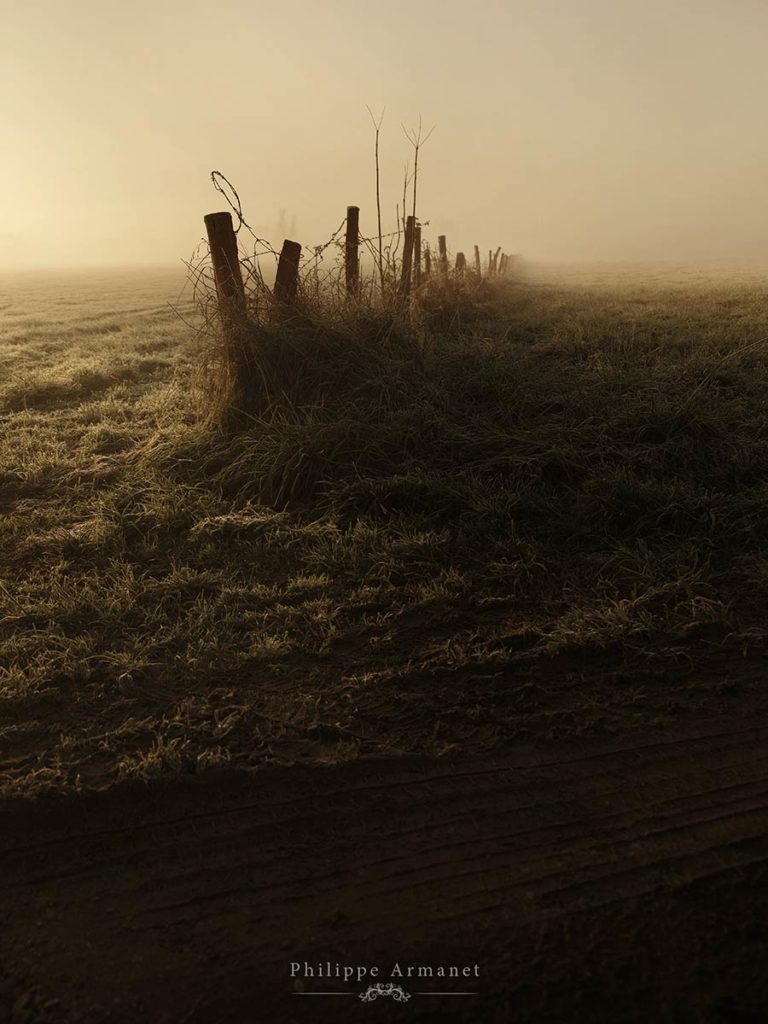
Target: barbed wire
(217,177)
(314,275)
(222,184)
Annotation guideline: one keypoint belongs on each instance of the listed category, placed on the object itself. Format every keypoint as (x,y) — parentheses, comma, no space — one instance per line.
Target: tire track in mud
(187,892)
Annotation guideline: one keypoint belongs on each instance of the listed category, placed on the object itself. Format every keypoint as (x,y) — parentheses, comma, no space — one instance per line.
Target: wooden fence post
(405,280)
(478,267)
(443,248)
(461,263)
(287,279)
(490,262)
(417,255)
(427,262)
(351,258)
(496,260)
(226,267)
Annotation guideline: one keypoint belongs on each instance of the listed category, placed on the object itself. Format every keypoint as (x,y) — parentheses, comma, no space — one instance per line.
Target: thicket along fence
(400,277)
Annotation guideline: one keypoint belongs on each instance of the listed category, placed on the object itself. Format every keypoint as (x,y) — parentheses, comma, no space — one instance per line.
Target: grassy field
(549,519)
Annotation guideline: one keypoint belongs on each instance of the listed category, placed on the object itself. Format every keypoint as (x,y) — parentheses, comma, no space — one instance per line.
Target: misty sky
(566,129)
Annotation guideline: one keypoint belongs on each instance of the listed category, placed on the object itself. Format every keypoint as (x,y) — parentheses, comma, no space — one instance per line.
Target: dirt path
(618,883)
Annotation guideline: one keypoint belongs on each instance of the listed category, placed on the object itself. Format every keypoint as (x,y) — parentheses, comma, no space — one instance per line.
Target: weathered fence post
(443,248)
(417,255)
(226,267)
(478,268)
(405,280)
(490,262)
(232,311)
(351,258)
(503,265)
(461,263)
(496,260)
(427,262)
(287,279)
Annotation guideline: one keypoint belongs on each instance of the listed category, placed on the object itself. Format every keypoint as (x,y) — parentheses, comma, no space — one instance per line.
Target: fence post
(478,268)
(226,267)
(427,262)
(496,260)
(351,258)
(417,255)
(461,263)
(443,248)
(405,280)
(287,279)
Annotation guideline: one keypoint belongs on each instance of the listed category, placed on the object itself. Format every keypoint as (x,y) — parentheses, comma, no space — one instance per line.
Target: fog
(565,129)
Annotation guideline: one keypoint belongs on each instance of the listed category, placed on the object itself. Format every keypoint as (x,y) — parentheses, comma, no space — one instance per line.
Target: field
(539,536)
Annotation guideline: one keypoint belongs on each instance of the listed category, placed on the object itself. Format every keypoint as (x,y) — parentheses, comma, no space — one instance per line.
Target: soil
(589,880)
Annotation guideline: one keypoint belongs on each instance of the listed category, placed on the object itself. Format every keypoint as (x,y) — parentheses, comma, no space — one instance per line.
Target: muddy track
(593,883)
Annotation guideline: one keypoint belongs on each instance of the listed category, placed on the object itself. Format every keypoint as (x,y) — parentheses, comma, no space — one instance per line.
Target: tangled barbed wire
(222,184)
(314,278)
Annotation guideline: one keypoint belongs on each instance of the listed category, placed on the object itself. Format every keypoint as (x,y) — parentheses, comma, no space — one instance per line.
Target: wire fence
(316,274)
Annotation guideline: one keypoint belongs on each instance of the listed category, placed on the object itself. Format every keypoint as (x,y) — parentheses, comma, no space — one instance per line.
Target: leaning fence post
(351,258)
(226,267)
(287,279)
(478,268)
(405,280)
(496,260)
(443,248)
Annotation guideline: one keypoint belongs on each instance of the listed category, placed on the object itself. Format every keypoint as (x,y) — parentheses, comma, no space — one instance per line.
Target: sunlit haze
(565,129)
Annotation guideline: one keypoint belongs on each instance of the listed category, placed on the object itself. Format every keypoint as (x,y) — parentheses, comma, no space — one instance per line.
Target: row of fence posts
(416,265)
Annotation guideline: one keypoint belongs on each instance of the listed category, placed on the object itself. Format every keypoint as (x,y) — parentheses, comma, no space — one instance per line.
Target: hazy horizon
(179,269)
(602,131)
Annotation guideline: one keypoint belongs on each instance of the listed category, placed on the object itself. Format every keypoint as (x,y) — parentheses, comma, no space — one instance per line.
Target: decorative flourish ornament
(374,991)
